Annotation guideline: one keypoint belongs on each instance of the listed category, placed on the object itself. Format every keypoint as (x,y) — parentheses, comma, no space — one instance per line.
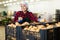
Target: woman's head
(24,6)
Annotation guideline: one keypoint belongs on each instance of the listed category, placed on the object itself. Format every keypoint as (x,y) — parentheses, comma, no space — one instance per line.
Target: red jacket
(28,14)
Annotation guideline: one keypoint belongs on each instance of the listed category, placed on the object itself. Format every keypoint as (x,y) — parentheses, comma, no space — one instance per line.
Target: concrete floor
(2,33)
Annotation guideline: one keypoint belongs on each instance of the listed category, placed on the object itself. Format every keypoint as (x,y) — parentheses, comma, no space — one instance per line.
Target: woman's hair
(24,3)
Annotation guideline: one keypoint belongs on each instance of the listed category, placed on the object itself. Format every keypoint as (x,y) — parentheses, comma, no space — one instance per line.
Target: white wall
(3,9)
(14,8)
(40,7)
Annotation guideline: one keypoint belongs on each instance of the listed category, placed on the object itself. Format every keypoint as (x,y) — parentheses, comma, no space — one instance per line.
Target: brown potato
(37,30)
(40,26)
(47,24)
(17,24)
(50,26)
(25,28)
(57,25)
(10,25)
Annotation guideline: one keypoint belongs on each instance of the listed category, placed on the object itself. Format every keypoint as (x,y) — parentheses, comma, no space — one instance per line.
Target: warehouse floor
(2,33)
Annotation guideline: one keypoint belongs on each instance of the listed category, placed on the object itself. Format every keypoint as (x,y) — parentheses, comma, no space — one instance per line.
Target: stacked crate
(19,34)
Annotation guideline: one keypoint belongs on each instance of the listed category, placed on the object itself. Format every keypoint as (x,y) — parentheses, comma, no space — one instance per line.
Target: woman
(24,15)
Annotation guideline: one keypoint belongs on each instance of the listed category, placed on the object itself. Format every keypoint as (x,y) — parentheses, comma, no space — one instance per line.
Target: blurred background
(39,7)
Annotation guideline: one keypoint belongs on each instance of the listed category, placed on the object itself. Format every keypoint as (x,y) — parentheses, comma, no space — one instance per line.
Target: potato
(17,24)
(14,26)
(34,27)
(43,20)
(57,24)
(50,26)
(47,24)
(40,26)
(10,25)
(30,26)
(37,30)
(25,28)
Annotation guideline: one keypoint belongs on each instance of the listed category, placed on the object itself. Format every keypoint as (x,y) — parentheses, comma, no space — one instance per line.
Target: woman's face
(23,7)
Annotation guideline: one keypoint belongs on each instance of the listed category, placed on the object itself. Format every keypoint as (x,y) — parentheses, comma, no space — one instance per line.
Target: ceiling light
(6,1)
(10,0)
(5,5)
(14,0)
(0,2)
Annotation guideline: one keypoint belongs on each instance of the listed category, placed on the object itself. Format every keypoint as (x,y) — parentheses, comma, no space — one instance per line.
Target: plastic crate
(20,34)
(11,33)
(31,35)
(46,34)
(57,33)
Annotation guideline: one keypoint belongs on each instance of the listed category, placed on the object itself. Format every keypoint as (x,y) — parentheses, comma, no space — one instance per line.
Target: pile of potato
(57,24)
(12,25)
(38,27)
(34,28)
(49,26)
(18,24)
